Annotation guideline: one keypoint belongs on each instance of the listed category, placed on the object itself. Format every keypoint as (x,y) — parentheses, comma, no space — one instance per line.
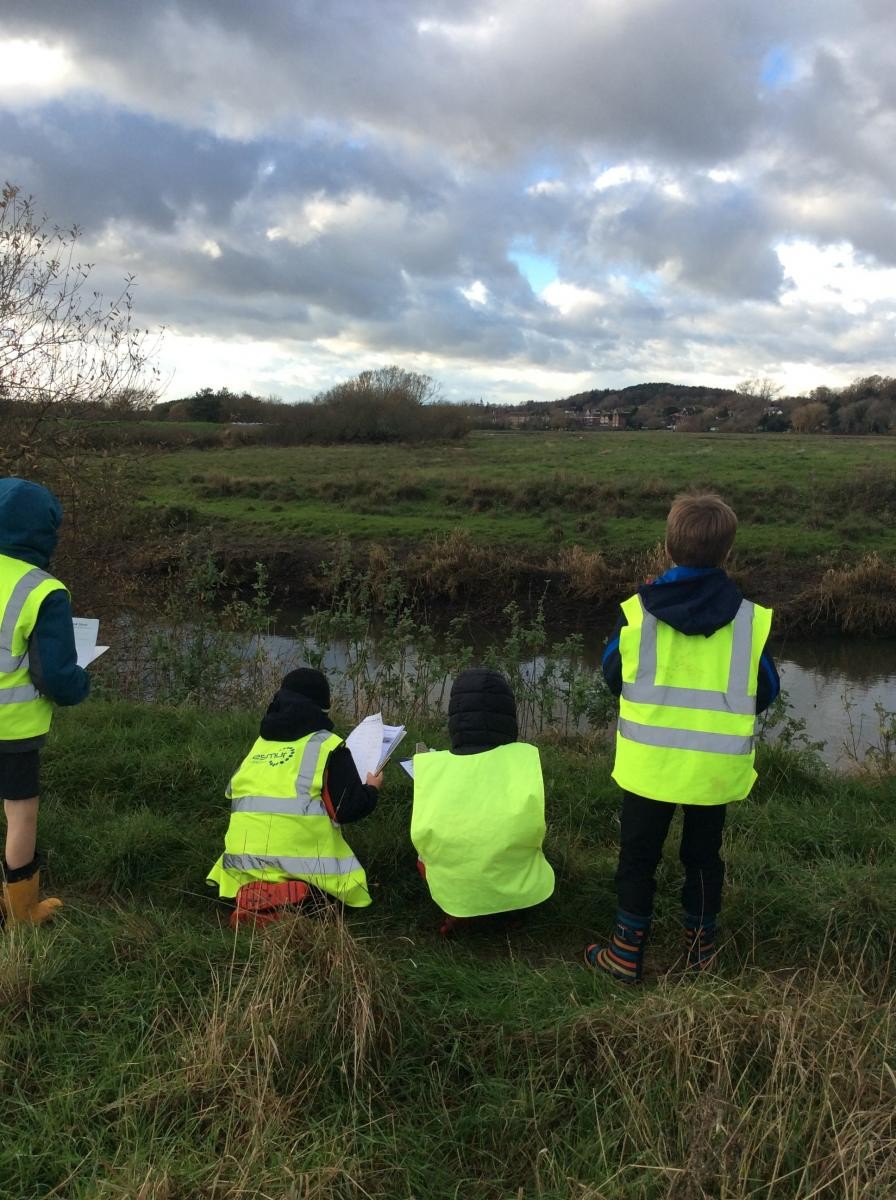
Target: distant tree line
(389,404)
(865,406)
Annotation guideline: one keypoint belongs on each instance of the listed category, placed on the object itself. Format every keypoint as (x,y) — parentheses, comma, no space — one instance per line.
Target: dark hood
(291,716)
(693,599)
(30,517)
(481,712)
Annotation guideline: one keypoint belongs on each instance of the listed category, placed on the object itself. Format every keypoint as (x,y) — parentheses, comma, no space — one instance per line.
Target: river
(833,685)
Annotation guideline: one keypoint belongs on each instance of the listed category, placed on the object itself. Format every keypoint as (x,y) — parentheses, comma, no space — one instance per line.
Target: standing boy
(690,665)
(38,666)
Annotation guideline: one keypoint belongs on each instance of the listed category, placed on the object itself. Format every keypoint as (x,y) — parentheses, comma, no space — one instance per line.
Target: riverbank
(147,1052)
(575,522)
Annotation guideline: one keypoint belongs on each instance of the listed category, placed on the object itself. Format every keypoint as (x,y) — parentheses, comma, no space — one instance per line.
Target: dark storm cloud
(94,164)
(676,77)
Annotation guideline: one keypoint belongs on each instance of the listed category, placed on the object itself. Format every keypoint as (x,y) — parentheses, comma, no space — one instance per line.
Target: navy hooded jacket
(30,517)
(696,601)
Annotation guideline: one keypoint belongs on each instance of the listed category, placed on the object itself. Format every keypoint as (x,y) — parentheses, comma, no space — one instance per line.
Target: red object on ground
(454,925)
(262,902)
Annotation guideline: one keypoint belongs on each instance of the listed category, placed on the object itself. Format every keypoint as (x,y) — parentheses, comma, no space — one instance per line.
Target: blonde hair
(700,530)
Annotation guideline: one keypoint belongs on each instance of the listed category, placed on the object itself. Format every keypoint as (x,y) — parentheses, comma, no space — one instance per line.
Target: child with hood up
(290,797)
(38,667)
(478,817)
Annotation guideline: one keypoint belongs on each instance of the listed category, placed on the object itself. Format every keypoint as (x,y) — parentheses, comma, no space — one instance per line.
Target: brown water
(832,684)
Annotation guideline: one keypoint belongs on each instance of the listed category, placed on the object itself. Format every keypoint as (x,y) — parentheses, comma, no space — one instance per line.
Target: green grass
(147,1052)
(799,497)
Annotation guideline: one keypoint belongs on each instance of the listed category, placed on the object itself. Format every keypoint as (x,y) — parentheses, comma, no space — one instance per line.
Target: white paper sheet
(364,742)
(407,764)
(86,632)
(392,735)
(372,742)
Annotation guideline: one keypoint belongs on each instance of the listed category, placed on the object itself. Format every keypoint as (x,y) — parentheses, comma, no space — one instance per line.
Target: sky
(522,198)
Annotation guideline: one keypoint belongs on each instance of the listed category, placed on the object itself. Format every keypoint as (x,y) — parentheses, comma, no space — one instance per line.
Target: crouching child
(690,665)
(478,817)
(290,797)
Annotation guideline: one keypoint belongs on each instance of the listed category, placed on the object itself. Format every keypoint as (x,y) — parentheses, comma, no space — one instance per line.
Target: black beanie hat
(309,683)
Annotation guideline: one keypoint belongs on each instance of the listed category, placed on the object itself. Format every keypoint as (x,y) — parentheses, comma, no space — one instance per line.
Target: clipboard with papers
(372,743)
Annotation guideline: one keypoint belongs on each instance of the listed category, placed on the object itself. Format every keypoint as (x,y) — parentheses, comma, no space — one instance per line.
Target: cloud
(510,191)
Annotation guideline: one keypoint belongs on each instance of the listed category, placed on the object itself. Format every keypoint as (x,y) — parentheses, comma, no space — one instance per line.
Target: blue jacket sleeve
(52,657)
(768,685)
(611,661)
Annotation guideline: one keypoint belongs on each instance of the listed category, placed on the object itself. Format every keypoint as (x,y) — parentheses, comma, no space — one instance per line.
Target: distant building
(603,419)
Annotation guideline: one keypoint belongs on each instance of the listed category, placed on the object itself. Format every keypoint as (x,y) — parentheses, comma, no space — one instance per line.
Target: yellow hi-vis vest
(279,828)
(687,713)
(24,712)
(478,826)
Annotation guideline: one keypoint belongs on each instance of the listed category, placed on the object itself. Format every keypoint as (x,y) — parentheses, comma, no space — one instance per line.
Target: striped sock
(624,957)
(700,942)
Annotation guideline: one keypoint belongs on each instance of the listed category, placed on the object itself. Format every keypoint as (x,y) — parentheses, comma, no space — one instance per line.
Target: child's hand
(374,780)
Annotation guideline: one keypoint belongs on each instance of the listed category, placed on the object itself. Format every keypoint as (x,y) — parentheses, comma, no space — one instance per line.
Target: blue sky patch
(538,269)
(778,67)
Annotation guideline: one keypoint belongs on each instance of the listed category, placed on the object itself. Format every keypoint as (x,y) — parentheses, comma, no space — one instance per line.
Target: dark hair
(700,530)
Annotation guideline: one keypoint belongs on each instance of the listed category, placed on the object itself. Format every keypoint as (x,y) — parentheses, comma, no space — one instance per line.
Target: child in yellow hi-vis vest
(290,797)
(689,663)
(478,817)
(38,668)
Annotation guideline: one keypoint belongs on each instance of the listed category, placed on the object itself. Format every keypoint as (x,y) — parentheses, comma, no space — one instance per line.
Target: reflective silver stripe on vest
(303,805)
(281,805)
(19,695)
(684,739)
(14,608)
(736,699)
(742,654)
(291,866)
(308,765)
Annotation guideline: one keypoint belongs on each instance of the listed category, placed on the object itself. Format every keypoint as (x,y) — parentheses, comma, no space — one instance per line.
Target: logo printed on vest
(276,758)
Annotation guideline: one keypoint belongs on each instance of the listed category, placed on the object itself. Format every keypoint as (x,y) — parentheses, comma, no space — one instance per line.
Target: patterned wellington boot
(623,959)
(700,942)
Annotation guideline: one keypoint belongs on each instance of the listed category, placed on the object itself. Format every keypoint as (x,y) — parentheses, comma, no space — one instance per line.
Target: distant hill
(679,395)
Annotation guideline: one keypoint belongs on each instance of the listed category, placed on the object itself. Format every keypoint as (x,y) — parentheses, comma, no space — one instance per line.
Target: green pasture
(147,1052)
(798,497)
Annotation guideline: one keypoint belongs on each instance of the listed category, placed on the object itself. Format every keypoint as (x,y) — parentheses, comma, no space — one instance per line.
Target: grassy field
(147,1052)
(797,497)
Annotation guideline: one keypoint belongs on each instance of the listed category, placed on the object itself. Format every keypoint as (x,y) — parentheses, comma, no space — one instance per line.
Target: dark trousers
(645,824)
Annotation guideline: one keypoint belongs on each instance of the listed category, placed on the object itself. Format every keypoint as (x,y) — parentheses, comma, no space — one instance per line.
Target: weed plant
(206,645)
(391,657)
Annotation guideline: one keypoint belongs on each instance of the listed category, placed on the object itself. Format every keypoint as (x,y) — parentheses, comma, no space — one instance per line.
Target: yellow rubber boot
(23,906)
